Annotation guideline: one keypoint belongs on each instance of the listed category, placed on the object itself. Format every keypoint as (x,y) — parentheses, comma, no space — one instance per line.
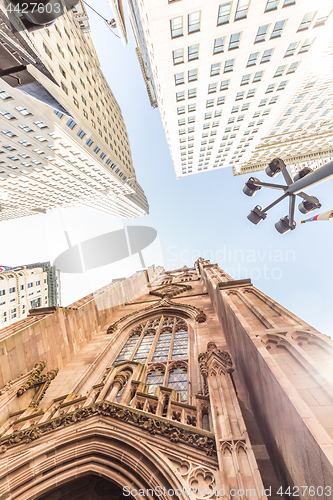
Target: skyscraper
(27,287)
(221,72)
(196,382)
(49,158)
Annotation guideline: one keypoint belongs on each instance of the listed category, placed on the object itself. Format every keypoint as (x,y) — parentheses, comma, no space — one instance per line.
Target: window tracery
(158,343)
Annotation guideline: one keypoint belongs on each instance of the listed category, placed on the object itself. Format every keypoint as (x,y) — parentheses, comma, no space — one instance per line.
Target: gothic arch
(98,449)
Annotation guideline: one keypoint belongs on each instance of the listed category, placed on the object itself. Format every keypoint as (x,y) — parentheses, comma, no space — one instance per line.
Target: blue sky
(204,214)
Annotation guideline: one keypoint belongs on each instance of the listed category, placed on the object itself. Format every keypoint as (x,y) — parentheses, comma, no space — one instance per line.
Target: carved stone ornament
(200,316)
(121,379)
(177,433)
(204,362)
(37,379)
(170,290)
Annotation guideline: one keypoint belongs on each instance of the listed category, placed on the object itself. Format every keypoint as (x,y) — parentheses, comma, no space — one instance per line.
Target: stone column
(239,474)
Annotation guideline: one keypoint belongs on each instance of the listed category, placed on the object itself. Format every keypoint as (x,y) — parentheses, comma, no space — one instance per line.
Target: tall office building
(49,158)
(53,281)
(194,386)
(24,288)
(303,130)
(222,71)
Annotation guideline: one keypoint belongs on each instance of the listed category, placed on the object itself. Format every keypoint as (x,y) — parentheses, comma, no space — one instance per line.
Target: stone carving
(202,479)
(224,361)
(177,433)
(36,379)
(11,383)
(164,302)
(121,379)
(170,291)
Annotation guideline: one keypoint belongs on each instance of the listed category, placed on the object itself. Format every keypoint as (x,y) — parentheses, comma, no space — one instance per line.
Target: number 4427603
(301,491)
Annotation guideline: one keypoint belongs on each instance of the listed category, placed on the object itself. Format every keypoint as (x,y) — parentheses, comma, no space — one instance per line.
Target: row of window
(193,21)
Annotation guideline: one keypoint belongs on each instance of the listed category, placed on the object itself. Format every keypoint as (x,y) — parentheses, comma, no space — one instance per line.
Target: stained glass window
(180,344)
(154,379)
(178,381)
(163,346)
(127,350)
(144,348)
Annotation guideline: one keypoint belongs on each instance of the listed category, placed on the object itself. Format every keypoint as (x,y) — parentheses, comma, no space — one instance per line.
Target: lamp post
(304,179)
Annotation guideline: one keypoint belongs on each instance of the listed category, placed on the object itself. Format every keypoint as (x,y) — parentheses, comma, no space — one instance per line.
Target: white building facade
(21,290)
(223,70)
(49,159)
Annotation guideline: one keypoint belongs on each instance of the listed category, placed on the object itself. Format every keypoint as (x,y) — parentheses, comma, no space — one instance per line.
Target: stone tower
(184,384)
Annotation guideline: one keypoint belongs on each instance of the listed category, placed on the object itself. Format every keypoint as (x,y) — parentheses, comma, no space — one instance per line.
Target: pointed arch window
(159,340)
(178,381)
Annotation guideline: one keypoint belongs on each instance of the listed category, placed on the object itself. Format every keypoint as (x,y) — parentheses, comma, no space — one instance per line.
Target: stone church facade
(180,384)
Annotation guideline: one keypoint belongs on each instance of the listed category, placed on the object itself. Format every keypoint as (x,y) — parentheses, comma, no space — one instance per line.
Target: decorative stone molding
(170,290)
(199,315)
(120,379)
(36,379)
(206,359)
(177,433)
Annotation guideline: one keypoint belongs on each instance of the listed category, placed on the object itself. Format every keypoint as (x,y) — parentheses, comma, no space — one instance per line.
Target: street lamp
(304,179)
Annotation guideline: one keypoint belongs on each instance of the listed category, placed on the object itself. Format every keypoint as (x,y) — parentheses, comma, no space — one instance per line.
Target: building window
(192,75)
(271,4)
(224,13)
(193,52)
(306,45)
(181,110)
(64,88)
(251,93)
(261,35)
(191,108)
(258,76)
(322,17)
(288,2)
(239,96)
(179,78)
(280,70)
(178,56)
(209,103)
(171,345)
(215,69)
(270,88)
(176,26)
(193,22)
(278,29)
(89,142)
(292,67)
(234,41)
(306,21)
(229,65)
(225,85)
(282,85)
(180,96)
(218,45)
(241,10)
(266,56)
(212,88)
(246,79)
(47,50)
(192,93)
(81,133)
(252,59)
(220,100)
(12,290)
